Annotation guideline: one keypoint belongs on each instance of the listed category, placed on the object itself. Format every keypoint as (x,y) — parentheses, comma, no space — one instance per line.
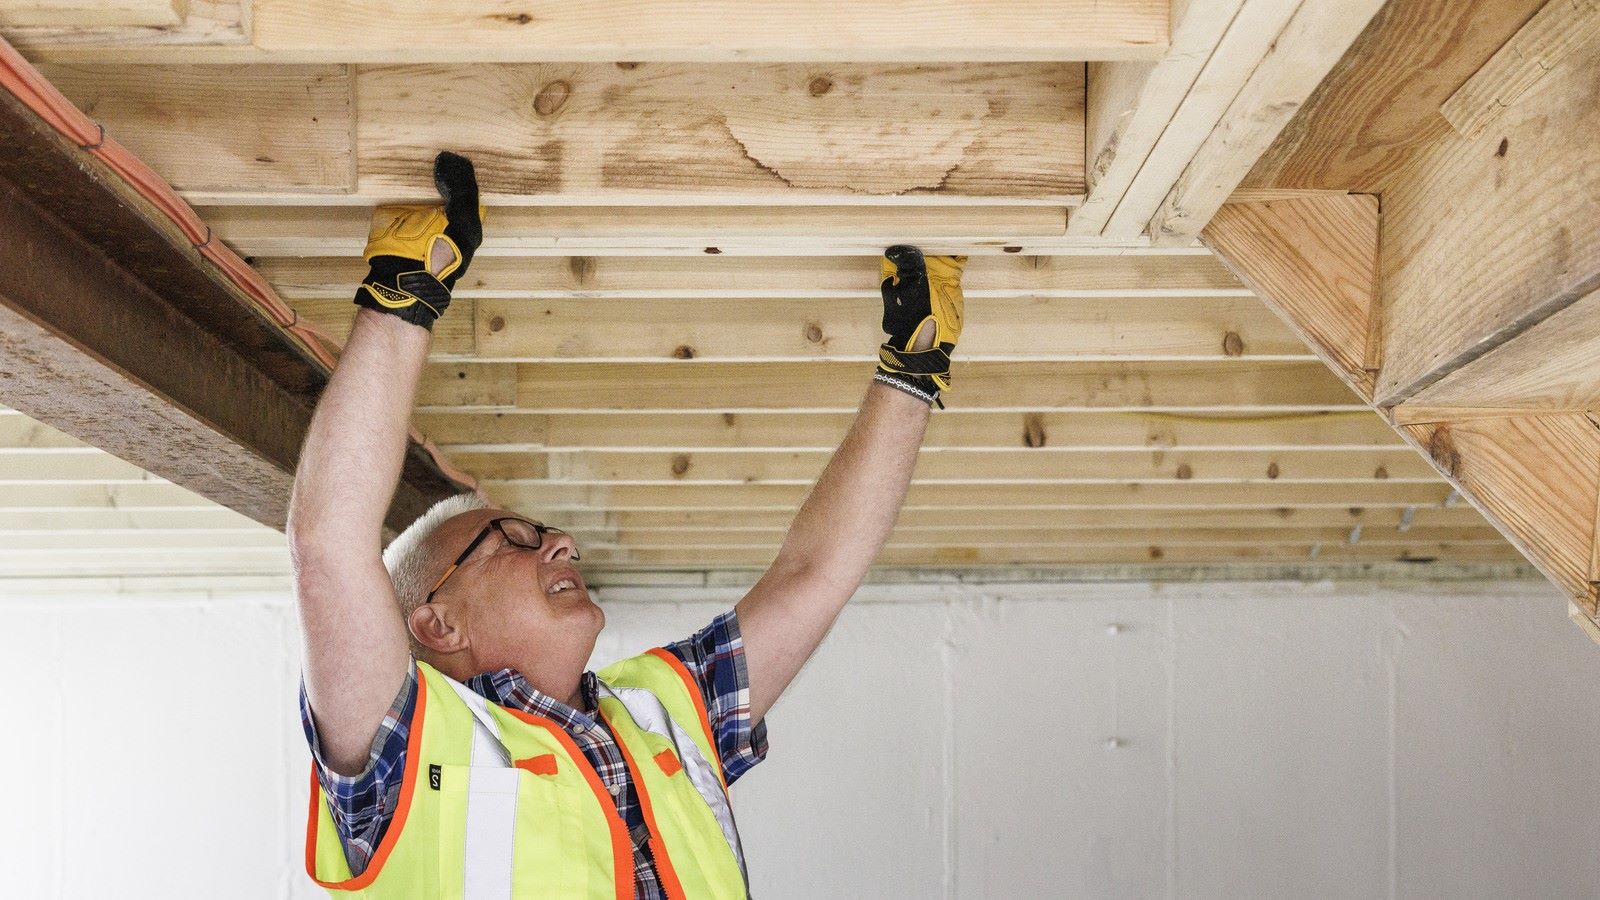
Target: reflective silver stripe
(491,832)
(647,711)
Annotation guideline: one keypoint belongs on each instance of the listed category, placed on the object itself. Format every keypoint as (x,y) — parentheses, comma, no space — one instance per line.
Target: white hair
(410,569)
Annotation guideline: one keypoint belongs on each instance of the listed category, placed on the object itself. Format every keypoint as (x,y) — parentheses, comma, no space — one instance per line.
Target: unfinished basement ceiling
(675,310)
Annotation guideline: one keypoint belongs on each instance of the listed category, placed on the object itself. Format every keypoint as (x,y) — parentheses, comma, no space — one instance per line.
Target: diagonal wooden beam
(116,330)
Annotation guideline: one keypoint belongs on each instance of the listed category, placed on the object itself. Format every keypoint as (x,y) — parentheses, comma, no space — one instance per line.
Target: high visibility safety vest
(500,803)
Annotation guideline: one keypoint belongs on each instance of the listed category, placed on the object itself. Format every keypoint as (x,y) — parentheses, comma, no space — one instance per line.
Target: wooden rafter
(114,328)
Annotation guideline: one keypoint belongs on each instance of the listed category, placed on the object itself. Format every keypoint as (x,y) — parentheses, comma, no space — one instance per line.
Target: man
(460,747)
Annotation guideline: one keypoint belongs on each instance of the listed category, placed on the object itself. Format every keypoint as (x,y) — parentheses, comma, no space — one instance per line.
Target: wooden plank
(1555,31)
(1002,519)
(171,561)
(952,467)
(116,541)
(67,467)
(1130,104)
(1249,37)
(1194,273)
(1298,60)
(716,539)
(774,330)
(838,387)
(1155,553)
(955,430)
(452,333)
(103,31)
(17,430)
(67,522)
(1550,366)
(219,127)
(729,133)
(1465,269)
(1380,104)
(90,13)
(326,230)
(149,496)
(540,498)
(1313,261)
(1536,478)
(937,31)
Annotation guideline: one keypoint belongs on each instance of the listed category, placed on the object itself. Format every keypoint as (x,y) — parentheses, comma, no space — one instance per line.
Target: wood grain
(1464,268)
(1554,365)
(770,329)
(813,277)
(1380,104)
(1553,33)
(1314,261)
(1300,57)
(220,127)
(724,133)
(839,387)
(1130,104)
(1536,477)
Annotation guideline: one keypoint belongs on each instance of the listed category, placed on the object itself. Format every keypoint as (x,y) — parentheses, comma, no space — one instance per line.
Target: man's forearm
(844,522)
(351,459)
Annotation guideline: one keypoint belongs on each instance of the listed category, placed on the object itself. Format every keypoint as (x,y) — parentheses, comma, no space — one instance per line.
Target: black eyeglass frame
(495,525)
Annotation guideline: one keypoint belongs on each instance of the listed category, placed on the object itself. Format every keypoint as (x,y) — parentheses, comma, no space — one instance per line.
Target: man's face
(514,601)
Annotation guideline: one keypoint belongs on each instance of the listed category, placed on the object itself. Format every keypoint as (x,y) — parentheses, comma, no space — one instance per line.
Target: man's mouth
(561,584)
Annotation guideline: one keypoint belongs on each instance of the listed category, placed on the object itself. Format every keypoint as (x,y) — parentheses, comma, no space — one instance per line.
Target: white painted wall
(1227,740)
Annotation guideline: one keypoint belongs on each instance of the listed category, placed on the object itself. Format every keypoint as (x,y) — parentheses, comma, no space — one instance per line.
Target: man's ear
(434,627)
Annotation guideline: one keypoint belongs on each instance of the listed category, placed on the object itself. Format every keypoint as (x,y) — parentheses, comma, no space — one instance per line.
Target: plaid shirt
(362,805)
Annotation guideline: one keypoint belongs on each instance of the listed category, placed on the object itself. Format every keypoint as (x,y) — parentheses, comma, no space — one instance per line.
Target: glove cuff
(396,286)
(917,386)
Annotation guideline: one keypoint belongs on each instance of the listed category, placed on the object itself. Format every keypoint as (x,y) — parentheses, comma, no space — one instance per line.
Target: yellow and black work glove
(918,290)
(402,240)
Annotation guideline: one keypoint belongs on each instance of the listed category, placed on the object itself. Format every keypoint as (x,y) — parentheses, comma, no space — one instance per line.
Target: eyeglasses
(517,532)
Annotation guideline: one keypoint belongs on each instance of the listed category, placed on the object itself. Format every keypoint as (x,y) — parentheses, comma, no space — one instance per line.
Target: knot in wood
(582,268)
(1033,433)
(627,66)
(1011,248)
(1272,469)
(551,98)
(820,85)
(1184,473)
(1232,344)
(1442,448)
(496,324)
(813,332)
(683,351)
(680,465)
(1382,474)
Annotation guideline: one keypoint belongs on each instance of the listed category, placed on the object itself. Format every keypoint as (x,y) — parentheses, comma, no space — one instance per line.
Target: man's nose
(558,546)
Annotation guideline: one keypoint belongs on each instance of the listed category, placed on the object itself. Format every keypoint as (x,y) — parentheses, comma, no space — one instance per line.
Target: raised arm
(356,646)
(843,524)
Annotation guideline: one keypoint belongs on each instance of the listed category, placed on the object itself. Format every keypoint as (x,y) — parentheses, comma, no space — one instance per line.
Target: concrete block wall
(1073,740)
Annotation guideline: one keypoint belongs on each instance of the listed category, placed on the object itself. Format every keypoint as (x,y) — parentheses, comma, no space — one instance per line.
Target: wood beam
(1194,273)
(367,31)
(758,330)
(1299,59)
(693,386)
(1129,106)
(1466,269)
(1381,103)
(1536,478)
(1554,32)
(1322,283)
(959,430)
(114,329)
(950,467)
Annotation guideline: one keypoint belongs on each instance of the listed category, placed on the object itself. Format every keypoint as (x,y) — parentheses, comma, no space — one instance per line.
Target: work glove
(402,240)
(917,290)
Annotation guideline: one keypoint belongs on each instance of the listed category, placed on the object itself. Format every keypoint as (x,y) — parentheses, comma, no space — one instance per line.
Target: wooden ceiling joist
(114,329)
(291,31)
(1474,325)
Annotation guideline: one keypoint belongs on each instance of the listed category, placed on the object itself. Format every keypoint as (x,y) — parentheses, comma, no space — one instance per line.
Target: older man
(461,749)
